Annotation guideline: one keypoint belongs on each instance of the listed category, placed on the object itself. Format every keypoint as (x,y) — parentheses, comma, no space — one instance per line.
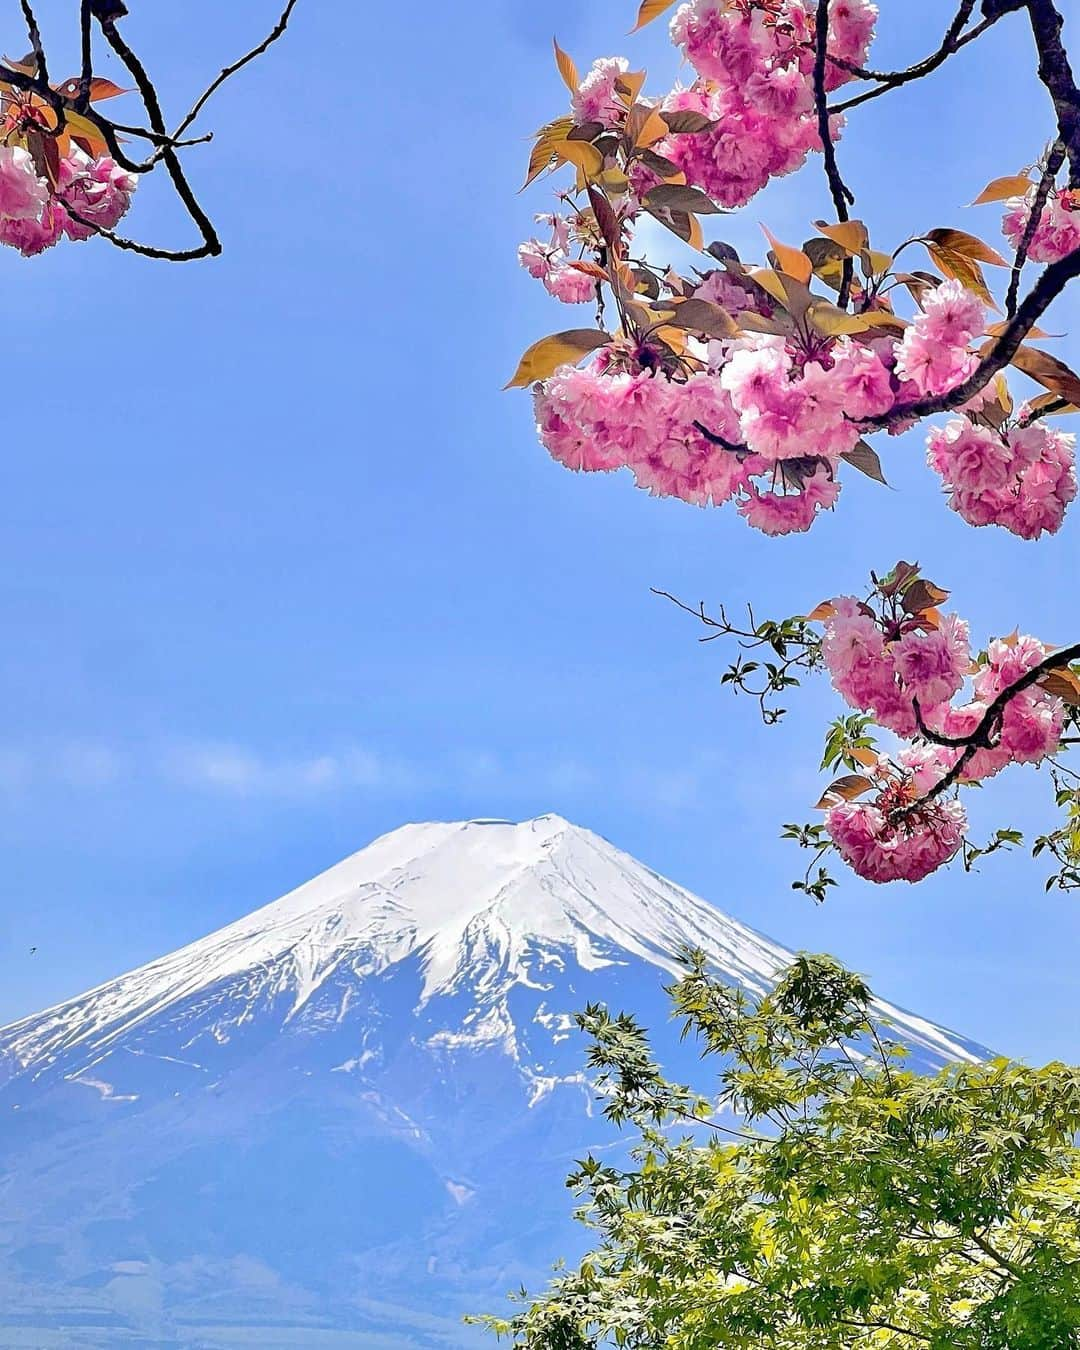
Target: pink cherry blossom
(880,847)
(1023,479)
(1058,231)
(932,665)
(569,285)
(596,99)
(23,194)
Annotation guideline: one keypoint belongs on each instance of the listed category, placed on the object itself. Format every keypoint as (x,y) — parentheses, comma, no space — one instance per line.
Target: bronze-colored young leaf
(963,269)
(1063,684)
(865,458)
(827,260)
(834,322)
(922,595)
(606,219)
(567,69)
(702,316)
(1048,371)
(630,85)
(543,151)
(543,358)
(686,226)
(687,122)
(819,613)
(582,155)
(650,9)
(851,235)
(645,128)
(998,189)
(793,262)
(847,788)
(1047,405)
(967,245)
(662,167)
(679,197)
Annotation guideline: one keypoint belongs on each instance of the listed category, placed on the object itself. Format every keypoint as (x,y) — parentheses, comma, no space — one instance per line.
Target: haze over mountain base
(344,1119)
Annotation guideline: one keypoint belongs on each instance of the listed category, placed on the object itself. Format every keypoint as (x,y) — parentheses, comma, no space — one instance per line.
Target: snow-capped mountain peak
(352,1107)
(481,907)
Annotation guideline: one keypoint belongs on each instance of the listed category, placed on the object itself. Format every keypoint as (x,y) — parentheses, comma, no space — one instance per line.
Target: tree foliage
(825,1197)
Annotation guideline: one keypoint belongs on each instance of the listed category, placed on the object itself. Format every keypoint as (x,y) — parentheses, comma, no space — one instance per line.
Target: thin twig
(228,71)
(953,41)
(211,245)
(34,34)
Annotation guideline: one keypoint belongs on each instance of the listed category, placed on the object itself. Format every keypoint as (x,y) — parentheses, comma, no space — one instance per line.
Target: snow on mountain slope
(350,1113)
(484,905)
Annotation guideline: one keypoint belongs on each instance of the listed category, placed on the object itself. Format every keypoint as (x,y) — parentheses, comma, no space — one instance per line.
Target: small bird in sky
(32,950)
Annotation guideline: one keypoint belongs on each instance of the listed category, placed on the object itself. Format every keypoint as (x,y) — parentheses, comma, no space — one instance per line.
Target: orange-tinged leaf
(996,330)
(1063,684)
(653,129)
(962,269)
(696,237)
(99,89)
(545,357)
(864,755)
(582,155)
(547,138)
(998,189)
(702,316)
(630,85)
(851,235)
(1047,401)
(567,69)
(847,788)
(650,9)
(770,281)
(1048,371)
(967,245)
(821,612)
(827,318)
(793,261)
(590,269)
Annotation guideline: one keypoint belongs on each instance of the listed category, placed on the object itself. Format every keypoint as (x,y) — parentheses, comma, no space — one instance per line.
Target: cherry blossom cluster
(761,390)
(766,419)
(565,279)
(910,670)
(1057,233)
(879,848)
(89,194)
(756,66)
(1020,477)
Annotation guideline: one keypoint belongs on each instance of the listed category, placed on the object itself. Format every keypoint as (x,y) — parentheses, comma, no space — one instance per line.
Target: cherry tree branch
(841,194)
(1054,161)
(211,244)
(227,72)
(1048,287)
(981,737)
(954,40)
(1056,75)
(76,97)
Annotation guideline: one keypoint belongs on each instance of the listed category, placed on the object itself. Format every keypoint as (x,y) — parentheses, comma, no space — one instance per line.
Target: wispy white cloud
(233,769)
(241,771)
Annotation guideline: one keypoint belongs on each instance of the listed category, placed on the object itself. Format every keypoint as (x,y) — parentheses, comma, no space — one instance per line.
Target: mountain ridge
(363,1095)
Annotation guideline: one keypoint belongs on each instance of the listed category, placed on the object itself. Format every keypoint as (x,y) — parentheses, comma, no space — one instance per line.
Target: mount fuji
(344,1119)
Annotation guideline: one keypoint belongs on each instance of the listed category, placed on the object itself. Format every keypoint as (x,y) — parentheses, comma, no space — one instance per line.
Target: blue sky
(281,568)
